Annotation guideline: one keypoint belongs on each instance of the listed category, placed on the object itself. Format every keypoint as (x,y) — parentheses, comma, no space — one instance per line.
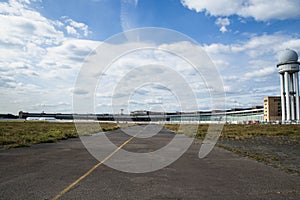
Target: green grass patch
(21,134)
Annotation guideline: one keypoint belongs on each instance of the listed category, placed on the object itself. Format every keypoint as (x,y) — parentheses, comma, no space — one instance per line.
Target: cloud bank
(260,10)
(40,58)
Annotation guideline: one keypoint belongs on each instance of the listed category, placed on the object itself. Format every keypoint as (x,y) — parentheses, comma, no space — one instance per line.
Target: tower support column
(283,109)
(292,96)
(296,78)
(287,96)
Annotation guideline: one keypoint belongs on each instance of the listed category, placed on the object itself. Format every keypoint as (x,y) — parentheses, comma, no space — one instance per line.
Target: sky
(45,44)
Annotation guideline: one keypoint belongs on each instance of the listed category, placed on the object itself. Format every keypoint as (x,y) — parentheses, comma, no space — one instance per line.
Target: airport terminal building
(236,115)
(270,112)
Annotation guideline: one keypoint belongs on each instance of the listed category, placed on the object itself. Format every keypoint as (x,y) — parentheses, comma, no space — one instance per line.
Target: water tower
(288,68)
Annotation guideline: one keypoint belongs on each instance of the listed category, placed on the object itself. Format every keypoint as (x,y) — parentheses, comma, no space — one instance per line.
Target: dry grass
(240,131)
(18,134)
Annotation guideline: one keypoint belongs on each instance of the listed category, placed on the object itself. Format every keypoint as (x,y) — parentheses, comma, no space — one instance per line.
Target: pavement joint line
(93,168)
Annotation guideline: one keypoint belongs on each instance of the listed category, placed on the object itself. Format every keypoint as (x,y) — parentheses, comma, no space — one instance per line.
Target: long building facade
(236,115)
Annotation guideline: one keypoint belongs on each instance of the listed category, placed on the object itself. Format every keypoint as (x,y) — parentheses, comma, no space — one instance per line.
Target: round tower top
(287,56)
(288,61)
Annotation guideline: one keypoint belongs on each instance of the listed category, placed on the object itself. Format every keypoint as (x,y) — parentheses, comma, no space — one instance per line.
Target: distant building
(272,108)
(8,116)
(234,115)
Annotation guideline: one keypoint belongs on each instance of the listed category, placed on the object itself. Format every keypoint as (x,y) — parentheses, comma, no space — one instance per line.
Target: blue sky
(43,44)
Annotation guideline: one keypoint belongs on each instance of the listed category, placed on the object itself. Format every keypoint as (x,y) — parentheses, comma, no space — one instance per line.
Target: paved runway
(43,171)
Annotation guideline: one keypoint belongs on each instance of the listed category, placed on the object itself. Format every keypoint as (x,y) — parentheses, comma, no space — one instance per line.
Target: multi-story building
(272,108)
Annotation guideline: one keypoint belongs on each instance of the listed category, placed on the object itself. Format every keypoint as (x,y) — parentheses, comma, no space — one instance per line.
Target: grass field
(241,131)
(20,134)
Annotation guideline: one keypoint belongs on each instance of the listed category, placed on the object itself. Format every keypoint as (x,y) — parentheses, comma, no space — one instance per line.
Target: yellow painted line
(92,169)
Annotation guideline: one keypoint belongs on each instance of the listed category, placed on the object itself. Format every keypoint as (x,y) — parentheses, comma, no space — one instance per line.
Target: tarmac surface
(43,171)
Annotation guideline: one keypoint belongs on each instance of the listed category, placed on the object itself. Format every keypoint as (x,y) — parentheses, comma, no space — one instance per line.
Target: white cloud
(249,67)
(165,72)
(37,58)
(75,27)
(128,15)
(71,30)
(223,22)
(260,10)
(260,73)
(256,46)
